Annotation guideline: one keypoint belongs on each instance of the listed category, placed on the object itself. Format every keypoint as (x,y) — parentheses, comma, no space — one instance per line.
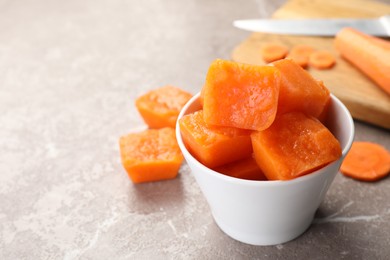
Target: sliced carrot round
(322,60)
(366,161)
(300,54)
(273,52)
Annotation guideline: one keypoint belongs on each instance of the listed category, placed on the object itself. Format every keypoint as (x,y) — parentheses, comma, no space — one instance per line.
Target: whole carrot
(369,54)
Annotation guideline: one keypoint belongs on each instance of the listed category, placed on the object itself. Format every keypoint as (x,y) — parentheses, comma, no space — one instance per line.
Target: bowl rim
(262,183)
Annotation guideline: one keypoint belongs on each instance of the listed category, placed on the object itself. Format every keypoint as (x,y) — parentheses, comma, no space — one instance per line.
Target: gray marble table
(69,74)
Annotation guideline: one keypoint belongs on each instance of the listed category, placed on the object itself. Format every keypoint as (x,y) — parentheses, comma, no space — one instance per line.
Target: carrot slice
(300,54)
(160,107)
(273,51)
(366,161)
(322,60)
(369,54)
(151,155)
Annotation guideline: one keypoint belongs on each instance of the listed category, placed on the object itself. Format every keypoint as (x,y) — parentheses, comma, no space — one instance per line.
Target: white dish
(268,212)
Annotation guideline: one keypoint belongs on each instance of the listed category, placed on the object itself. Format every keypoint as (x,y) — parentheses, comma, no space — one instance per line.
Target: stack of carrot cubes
(270,115)
(257,123)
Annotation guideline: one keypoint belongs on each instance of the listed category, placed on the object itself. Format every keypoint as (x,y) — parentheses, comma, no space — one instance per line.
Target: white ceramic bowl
(268,212)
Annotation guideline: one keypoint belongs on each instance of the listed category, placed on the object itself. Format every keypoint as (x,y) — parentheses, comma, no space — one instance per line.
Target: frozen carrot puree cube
(246,168)
(151,155)
(161,107)
(214,145)
(294,145)
(240,95)
(299,91)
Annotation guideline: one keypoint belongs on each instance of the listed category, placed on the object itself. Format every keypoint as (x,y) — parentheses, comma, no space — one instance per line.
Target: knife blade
(317,27)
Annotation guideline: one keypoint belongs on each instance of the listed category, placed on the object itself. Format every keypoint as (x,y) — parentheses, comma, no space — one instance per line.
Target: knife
(317,27)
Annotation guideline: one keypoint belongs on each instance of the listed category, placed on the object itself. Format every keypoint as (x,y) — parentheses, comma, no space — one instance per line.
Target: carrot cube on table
(151,155)
(161,107)
(214,145)
(294,145)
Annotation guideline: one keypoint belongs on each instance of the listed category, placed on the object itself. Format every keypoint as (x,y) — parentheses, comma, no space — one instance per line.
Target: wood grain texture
(365,100)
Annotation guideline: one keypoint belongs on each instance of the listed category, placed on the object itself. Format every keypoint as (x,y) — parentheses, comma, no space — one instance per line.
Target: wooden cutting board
(365,100)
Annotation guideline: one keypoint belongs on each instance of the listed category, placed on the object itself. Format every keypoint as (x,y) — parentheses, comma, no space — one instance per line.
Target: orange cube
(160,107)
(214,145)
(299,91)
(294,145)
(240,95)
(151,155)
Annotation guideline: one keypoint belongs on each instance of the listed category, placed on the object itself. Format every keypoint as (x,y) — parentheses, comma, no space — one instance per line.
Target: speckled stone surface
(69,74)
